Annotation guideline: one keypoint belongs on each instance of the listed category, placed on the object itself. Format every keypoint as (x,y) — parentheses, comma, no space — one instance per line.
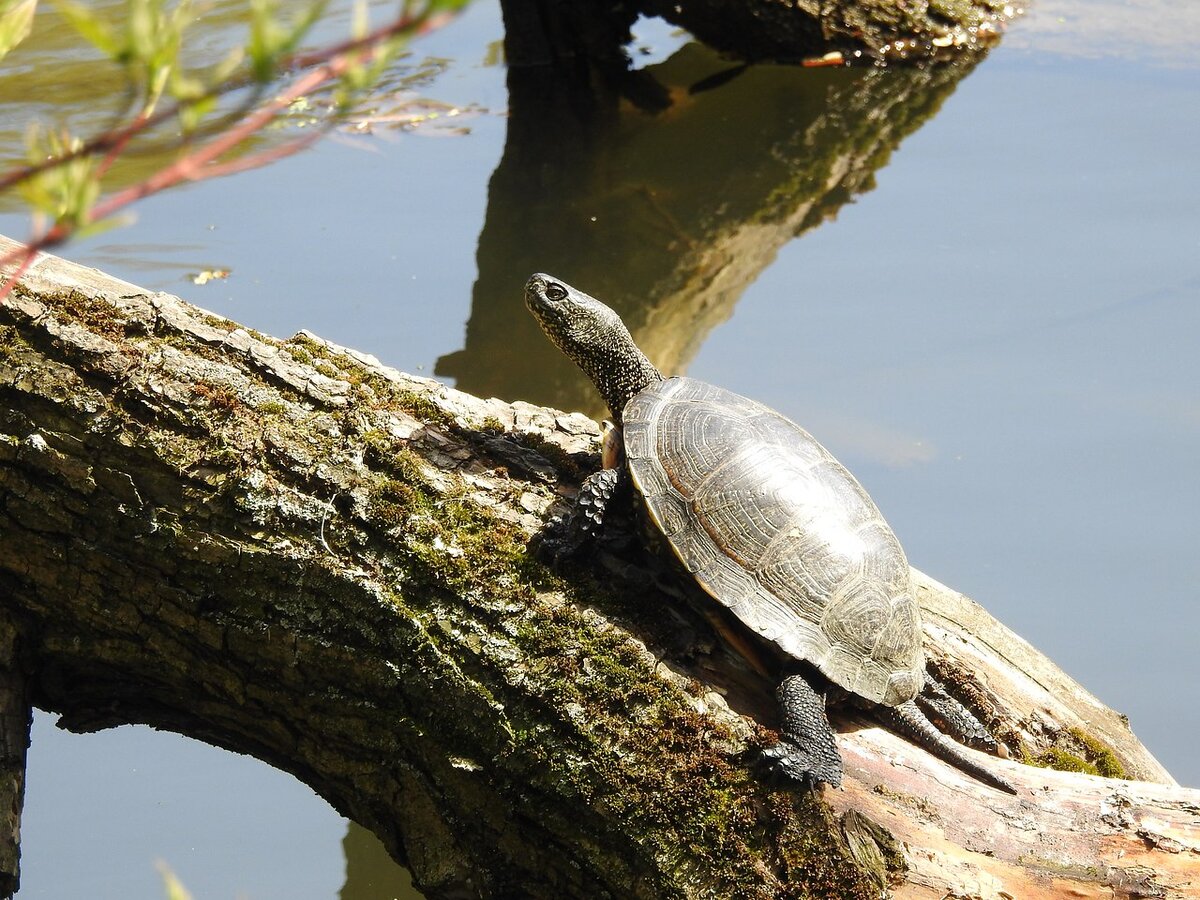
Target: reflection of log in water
(668,217)
(371,872)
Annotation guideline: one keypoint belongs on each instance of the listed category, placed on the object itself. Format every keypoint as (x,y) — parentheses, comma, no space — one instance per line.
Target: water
(993,325)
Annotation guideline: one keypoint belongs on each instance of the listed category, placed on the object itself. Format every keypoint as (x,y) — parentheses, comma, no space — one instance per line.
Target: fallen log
(287,549)
(540,31)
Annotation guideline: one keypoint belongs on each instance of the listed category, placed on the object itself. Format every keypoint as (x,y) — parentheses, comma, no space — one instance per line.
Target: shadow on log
(286,549)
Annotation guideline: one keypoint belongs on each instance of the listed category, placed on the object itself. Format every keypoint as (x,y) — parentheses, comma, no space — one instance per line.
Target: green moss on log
(609,728)
(1077,751)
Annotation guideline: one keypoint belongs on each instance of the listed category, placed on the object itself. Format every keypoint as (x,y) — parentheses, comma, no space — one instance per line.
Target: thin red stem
(113,142)
(11,279)
(202,164)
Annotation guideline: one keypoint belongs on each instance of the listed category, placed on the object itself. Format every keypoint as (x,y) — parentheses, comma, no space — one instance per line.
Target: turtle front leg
(595,497)
(807,751)
(564,536)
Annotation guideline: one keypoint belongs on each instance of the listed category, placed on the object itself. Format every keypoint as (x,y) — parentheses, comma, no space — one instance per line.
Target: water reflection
(371,873)
(668,216)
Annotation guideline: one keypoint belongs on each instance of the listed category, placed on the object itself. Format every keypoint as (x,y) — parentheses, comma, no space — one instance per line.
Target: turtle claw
(791,762)
(547,546)
(558,543)
(807,751)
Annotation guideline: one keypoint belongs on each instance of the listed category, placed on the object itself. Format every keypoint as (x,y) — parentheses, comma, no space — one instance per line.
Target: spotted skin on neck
(594,337)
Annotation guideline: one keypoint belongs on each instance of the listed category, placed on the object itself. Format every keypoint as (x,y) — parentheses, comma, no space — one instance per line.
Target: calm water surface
(994,325)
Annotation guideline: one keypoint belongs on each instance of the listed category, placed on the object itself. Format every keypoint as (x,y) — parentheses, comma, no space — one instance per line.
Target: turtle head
(594,337)
(578,324)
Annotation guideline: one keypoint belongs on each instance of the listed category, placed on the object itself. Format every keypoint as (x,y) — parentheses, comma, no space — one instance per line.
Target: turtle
(770,526)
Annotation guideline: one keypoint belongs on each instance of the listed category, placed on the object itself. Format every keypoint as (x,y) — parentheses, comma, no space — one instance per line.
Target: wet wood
(287,549)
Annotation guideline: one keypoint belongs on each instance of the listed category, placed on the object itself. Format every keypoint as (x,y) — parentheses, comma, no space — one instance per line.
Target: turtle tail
(907,719)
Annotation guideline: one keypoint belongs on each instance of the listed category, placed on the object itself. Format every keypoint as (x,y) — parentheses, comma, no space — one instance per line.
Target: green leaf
(94,29)
(271,38)
(66,192)
(191,114)
(446,6)
(16,19)
(91,229)
(227,66)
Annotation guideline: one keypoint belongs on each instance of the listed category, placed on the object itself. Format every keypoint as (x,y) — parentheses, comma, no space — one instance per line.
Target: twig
(202,164)
(103,143)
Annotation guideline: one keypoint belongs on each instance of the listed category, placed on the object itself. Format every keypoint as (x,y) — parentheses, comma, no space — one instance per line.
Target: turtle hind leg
(807,751)
(950,716)
(907,719)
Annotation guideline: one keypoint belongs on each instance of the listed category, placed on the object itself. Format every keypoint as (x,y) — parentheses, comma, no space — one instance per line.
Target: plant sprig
(62,181)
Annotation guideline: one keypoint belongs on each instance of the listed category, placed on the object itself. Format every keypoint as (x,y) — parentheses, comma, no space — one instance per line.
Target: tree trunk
(542,31)
(286,549)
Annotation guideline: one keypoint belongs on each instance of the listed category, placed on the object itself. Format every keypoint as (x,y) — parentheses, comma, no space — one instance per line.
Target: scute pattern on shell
(776,529)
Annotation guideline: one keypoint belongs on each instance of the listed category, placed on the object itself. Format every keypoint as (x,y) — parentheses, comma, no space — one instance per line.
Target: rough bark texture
(785,30)
(877,29)
(286,549)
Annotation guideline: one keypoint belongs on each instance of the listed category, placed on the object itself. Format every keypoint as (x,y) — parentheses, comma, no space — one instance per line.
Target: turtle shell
(777,531)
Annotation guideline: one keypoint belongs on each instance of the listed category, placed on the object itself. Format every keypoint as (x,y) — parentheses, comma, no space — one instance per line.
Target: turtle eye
(555,292)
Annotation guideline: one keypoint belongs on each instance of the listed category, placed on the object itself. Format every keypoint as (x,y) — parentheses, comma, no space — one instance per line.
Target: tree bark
(883,30)
(542,31)
(286,549)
